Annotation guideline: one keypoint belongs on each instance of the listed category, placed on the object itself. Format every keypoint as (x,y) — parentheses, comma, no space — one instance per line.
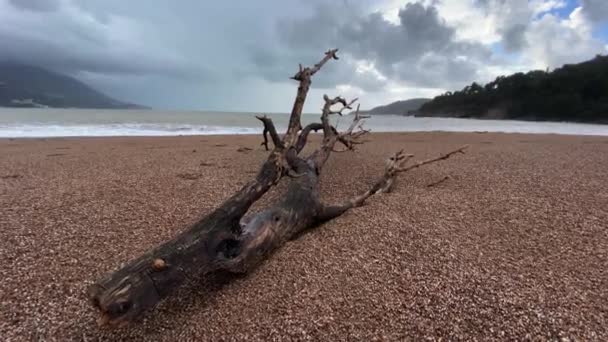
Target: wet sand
(513,245)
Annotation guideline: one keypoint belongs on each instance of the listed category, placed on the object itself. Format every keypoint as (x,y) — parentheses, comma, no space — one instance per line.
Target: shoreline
(429,116)
(224,135)
(76,124)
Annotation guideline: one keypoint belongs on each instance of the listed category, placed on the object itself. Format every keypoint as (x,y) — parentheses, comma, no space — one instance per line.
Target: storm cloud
(237,55)
(596,10)
(420,49)
(65,37)
(36,5)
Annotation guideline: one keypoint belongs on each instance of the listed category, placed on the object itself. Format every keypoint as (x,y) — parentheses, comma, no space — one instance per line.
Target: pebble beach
(512,245)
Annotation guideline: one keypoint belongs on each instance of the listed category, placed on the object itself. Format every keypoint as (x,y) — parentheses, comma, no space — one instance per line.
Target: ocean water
(46,122)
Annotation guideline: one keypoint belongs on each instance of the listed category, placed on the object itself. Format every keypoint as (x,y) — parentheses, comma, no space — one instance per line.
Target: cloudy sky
(238,55)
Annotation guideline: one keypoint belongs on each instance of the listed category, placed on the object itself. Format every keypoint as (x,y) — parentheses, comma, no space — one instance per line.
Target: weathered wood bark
(123,295)
(228,238)
(270,129)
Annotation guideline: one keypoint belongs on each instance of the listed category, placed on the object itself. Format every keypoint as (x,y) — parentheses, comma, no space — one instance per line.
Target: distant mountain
(399,107)
(30,86)
(574,92)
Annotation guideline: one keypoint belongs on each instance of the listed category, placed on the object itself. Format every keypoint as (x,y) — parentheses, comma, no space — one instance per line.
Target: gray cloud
(268,40)
(420,30)
(513,18)
(67,41)
(420,50)
(434,70)
(36,5)
(277,65)
(163,54)
(90,56)
(231,55)
(514,37)
(596,10)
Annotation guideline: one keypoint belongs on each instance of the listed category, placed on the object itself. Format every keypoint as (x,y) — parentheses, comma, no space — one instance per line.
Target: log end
(120,302)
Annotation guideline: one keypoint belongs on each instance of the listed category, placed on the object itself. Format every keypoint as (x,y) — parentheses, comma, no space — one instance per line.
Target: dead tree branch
(352,136)
(230,238)
(270,129)
(303,76)
(445,178)
(403,168)
(302,139)
(123,295)
(394,166)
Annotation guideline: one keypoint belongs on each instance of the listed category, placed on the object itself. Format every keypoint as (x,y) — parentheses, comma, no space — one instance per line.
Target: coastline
(113,123)
(512,244)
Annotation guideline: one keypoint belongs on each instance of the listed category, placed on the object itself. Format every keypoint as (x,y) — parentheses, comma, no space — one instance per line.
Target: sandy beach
(513,246)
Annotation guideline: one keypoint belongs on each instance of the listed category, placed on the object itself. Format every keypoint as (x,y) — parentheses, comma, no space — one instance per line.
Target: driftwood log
(230,239)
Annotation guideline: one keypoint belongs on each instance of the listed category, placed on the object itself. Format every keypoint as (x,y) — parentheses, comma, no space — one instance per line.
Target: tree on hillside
(577,92)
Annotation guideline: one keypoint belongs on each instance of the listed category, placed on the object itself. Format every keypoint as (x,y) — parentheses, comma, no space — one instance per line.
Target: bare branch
(399,159)
(304,135)
(394,166)
(265,142)
(304,76)
(349,138)
(432,160)
(328,111)
(330,54)
(302,139)
(357,121)
(331,135)
(344,106)
(438,182)
(269,128)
